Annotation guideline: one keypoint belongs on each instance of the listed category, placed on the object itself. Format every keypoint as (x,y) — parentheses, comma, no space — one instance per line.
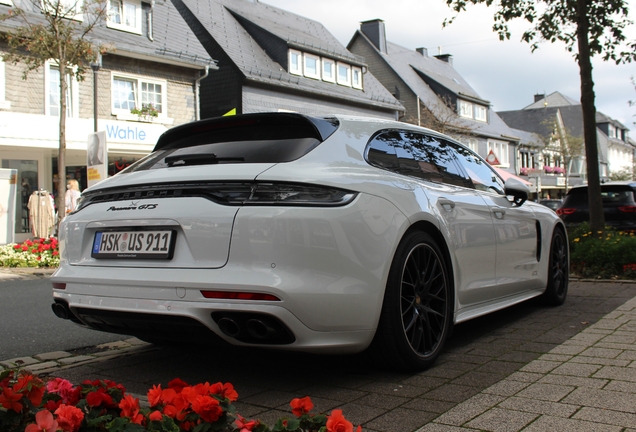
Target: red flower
(245,426)
(226,391)
(31,387)
(301,406)
(208,408)
(52,405)
(44,423)
(99,397)
(337,423)
(55,253)
(155,416)
(130,408)
(9,400)
(177,385)
(69,418)
(154,395)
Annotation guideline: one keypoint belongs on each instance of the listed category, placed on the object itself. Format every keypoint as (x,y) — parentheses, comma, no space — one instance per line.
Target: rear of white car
(191,243)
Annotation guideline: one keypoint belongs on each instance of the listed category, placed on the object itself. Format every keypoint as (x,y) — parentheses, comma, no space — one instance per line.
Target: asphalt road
(28,326)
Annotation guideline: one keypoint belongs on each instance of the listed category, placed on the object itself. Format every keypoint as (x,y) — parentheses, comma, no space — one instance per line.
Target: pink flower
(62,387)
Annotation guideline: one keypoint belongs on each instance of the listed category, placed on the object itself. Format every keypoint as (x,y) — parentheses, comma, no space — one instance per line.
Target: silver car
(322,234)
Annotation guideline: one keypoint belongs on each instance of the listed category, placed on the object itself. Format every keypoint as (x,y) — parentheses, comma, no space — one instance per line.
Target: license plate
(155,244)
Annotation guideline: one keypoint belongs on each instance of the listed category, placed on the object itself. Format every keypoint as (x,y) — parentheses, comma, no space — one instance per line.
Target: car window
(416,155)
(482,175)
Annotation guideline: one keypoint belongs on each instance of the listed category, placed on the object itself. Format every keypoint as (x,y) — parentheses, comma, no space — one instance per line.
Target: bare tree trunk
(597,219)
(61,156)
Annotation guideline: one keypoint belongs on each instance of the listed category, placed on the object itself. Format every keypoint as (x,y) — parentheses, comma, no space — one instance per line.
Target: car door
(466,220)
(515,228)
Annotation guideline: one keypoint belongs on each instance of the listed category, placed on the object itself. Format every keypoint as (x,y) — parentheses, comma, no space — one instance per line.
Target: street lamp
(95,66)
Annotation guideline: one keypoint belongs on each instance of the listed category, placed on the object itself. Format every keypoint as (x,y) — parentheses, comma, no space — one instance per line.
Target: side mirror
(518,190)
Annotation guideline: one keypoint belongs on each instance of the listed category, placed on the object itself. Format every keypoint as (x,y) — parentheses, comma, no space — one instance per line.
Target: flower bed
(29,404)
(41,252)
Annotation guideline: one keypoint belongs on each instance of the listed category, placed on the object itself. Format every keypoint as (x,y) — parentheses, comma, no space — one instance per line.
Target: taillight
(627,209)
(59,285)
(565,211)
(232,295)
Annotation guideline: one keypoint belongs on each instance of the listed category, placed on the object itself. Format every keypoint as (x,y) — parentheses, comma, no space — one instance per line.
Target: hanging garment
(41,213)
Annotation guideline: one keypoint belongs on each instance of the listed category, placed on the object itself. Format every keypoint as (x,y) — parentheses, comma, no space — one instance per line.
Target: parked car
(318,234)
(619,206)
(551,203)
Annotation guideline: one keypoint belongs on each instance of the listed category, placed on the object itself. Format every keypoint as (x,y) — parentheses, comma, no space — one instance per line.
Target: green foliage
(609,254)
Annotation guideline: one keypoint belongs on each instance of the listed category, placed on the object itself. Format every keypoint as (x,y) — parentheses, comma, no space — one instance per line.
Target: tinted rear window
(618,195)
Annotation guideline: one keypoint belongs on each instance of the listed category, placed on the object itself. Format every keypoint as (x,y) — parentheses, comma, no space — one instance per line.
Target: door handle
(499,212)
(446,203)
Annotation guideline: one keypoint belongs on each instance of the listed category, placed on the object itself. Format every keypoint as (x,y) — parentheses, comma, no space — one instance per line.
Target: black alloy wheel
(417,310)
(558,270)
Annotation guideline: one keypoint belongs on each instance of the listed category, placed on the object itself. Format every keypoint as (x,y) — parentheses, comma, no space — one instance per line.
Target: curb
(45,363)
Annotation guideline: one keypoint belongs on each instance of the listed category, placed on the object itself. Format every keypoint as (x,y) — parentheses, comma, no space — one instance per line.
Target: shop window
(130,92)
(124,15)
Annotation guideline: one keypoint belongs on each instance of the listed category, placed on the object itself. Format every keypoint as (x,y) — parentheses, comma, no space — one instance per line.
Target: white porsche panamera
(331,235)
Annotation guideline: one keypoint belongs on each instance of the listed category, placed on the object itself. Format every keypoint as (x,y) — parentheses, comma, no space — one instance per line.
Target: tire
(558,270)
(417,310)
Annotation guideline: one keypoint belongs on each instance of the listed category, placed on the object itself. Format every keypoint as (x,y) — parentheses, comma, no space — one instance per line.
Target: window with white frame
(344,74)
(125,15)
(6,2)
(3,101)
(471,143)
(500,149)
(356,77)
(465,109)
(481,113)
(328,70)
(311,66)
(611,131)
(52,91)
(295,62)
(130,92)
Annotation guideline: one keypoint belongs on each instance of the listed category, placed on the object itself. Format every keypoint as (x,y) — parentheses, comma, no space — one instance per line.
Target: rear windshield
(610,194)
(266,151)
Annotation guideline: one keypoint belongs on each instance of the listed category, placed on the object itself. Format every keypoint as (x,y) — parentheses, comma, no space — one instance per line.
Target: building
(274,60)
(153,58)
(557,155)
(435,95)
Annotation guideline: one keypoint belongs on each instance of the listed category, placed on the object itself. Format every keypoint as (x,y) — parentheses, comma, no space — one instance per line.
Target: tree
(587,28)
(51,31)
(441,116)
(566,145)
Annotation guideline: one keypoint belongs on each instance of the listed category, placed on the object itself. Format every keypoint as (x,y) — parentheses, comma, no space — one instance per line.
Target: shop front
(29,143)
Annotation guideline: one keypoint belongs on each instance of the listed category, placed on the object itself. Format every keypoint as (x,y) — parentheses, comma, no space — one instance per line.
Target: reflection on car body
(318,234)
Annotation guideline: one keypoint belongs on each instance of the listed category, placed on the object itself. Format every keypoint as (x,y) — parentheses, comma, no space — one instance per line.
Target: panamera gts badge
(134,206)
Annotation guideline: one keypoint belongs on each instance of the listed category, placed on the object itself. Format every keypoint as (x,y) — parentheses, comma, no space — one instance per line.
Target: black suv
(619,205)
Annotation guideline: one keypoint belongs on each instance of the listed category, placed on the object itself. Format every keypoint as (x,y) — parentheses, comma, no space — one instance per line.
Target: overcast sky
(505,73)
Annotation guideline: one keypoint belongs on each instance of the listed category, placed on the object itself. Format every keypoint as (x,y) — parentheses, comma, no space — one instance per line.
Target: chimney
(538,97)
(374,30)
(448,58)
(423,51)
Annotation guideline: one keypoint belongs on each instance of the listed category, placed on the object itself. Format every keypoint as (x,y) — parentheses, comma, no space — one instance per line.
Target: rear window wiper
(199,159)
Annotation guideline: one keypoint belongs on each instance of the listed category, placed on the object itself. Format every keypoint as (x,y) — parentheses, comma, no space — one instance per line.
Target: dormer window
(324,69)
(344,74)
(71,9)
(473,111)
(125,15)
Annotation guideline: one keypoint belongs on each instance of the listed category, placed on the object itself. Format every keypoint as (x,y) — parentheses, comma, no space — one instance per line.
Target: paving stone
(393,389)
(429,405)
(617,373)
(550,423)
(525,377)
(576,369)
(467,411)
(562,358)
(502,420)
(270,398)
(612,400)
(18,362)
(601,361)
(382,401)
(585,339)
(606,416)
(436,427)
(52,355)
(477,379)
(114,345)
(76,359)
(539,407)
(547,392)
(601,352)
(506,388)
(41,366)
(540,366)
(565,380)
(361,414)
(451,393)
(400,420)
(621,386)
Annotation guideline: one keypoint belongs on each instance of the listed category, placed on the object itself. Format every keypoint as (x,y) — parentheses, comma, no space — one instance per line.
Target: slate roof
(415,69)
(173,43)
(553,100)
(242,27)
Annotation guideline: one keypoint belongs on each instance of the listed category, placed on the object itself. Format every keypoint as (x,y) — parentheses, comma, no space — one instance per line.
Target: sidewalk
(586,384)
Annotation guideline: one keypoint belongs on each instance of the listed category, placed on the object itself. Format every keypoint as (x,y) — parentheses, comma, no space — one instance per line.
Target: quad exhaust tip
(253,328)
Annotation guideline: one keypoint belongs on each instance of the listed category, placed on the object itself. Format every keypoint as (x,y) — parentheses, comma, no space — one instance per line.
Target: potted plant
(147,112)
